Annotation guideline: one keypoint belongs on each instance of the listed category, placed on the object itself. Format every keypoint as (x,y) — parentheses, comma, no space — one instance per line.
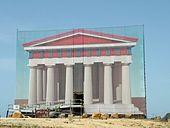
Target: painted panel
(107,52)
(50,54)
(88,52)
(45,54)
(117,51)
(93,52)
(78,52)
(123,51)
(69,53)
(74,53)
(97,52)
(59,53)
(136,68)
(35,55)
(55,54)
(79,40)
(30,55)
(83,52)
(64,53)
(112,51)
(40,54)
(103,52)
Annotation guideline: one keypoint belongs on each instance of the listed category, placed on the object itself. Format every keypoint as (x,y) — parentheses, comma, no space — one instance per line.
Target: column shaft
(32,86)
(88,97)
(101,83)
(44,83)
(108,91)
(118,84)
(69,84)
(50,98)
(56,83)
(39,85)
(126,91)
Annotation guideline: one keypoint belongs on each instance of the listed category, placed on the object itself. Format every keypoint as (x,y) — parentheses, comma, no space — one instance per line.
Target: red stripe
(103,52)
(83,53)
(123,51)
(74,53)
(55,54)
(45,54)
(93,52)
(64,53)
(112,52)
(35,55)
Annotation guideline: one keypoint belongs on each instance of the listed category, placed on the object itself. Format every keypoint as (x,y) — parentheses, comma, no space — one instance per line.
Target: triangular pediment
(79,40)
(80,37)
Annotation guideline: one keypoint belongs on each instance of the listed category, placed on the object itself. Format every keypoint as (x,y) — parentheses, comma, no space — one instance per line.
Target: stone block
(84,115)
(128,115)
(96,115)
(104,116)
(17,115)
(115,115)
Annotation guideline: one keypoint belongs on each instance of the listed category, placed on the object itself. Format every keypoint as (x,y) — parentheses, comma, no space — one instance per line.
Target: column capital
(69,65)
(107,64)
(32,66)
(88,63)
(49,66)
(44,68)
(126,63)
(40,67)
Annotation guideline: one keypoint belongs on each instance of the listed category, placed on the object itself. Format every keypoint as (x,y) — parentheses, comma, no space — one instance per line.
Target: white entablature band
(84,60)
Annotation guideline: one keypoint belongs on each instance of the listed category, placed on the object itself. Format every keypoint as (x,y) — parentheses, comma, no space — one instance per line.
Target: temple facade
(82,64)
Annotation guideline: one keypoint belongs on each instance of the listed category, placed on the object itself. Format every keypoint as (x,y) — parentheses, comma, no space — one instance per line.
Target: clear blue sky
(62,14)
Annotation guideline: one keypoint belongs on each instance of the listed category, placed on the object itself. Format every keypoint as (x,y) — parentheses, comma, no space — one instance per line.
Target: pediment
(80,37)
(79,40)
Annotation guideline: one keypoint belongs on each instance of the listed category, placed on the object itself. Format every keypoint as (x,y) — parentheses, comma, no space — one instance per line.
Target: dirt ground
(79,123)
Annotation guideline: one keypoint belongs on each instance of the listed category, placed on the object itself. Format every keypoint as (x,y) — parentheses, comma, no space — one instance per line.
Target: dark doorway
(78,101)
(78,97)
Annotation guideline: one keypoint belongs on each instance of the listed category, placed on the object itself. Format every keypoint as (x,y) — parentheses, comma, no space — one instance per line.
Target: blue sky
(62,14)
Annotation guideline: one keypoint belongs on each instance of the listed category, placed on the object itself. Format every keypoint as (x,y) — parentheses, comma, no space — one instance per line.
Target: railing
(53,105)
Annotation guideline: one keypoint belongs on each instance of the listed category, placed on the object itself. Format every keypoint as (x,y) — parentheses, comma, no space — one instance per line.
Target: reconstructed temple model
(89,65)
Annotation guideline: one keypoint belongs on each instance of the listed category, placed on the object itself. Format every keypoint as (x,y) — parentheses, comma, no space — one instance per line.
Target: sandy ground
(79,123)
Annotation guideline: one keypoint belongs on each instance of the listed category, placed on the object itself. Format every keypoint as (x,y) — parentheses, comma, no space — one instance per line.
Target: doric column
(126,91)
(108,91)
(44,82)
(88,97)
(56,83)
(50,98)
(39,84)
(32,86)
(69,84)
(101,83)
